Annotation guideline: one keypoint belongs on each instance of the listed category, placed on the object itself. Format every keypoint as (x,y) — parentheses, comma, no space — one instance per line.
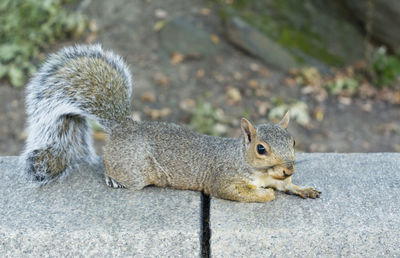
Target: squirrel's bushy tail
(73,85)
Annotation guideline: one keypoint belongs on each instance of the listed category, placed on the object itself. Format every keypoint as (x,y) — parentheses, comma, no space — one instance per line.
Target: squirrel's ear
(285,121)
(248,130)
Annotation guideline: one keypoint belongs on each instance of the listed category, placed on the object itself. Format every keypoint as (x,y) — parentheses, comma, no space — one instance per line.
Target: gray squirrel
(86,82)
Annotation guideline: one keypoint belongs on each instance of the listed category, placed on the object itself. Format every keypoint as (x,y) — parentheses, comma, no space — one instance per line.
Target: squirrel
(85,82)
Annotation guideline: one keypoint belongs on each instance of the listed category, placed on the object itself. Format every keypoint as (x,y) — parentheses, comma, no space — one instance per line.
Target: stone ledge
(358,213)
(82,216)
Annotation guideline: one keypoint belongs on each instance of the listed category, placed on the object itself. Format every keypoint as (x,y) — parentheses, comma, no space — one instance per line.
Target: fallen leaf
(158,26)
(344,100)
(388,128)
(161,79)
(313,147)
(366,90)
(396,147)
(237,76)
(264,72)
(321,95)
(294,71)
(396,97)
(262,92)
(276,113)
(205,11)
(176,58)
(307,90)
(319,114)
(299,111)
(219,77)
(187,104)
(148,97)
(233,94)
(262,107)
(214,39)
(91,37)
(366,145)
(254,67)
(308,76)
(93,27)
(367,107)
(160,13)
(200,73)
(220,129)
(158,113)
(289,81)
(253,84)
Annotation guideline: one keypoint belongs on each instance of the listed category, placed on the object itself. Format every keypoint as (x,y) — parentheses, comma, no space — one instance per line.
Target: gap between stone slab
(205,225)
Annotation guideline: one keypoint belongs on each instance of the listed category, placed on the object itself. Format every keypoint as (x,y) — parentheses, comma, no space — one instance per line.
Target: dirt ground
(128,28)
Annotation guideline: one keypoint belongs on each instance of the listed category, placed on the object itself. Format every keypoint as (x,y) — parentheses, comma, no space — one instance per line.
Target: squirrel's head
(269,148)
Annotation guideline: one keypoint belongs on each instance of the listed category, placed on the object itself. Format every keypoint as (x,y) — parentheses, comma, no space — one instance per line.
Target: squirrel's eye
(294,143)
(261,149)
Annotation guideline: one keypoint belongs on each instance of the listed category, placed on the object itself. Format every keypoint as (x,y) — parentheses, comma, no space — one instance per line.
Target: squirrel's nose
(288,171)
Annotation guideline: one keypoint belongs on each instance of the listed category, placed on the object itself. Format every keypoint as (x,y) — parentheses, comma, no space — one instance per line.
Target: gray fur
(84,82)
(58,109)
(138,154)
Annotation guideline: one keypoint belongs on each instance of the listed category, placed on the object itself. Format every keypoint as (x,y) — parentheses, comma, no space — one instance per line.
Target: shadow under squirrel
(86,82)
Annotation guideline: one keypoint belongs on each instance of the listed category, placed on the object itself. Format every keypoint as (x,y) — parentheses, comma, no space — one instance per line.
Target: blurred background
(206,63)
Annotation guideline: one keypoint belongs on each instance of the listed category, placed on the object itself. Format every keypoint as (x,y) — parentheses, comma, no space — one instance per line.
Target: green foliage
(386,67)
(204,119)
(342,84)
(27,27)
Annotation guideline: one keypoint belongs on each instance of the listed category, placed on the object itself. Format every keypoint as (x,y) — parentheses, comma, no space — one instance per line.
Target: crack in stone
(205,225)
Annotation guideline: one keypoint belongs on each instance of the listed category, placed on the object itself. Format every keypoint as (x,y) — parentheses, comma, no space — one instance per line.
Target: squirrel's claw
(112,183)
(309,192)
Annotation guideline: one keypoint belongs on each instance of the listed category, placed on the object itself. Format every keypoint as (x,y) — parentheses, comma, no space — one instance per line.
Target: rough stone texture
(187,36)
(254,42)
(358,214)
(81,216)
(313,32)
(385,19)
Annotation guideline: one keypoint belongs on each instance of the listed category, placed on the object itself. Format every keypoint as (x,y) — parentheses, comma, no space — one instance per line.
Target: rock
(357,214)
(187,36)
(385,19)
(309,32)
(81,216)
(254,42)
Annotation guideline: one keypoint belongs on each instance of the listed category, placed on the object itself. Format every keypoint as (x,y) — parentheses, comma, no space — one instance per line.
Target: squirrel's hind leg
(119,174)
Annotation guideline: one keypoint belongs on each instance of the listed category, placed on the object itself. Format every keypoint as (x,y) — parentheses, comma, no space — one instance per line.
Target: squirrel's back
(73,85)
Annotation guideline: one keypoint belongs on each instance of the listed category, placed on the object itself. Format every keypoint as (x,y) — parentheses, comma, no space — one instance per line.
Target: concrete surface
(81,216)
(358,214)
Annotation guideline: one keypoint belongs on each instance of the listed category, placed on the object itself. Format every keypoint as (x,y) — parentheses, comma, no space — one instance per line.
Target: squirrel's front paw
(308,192)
